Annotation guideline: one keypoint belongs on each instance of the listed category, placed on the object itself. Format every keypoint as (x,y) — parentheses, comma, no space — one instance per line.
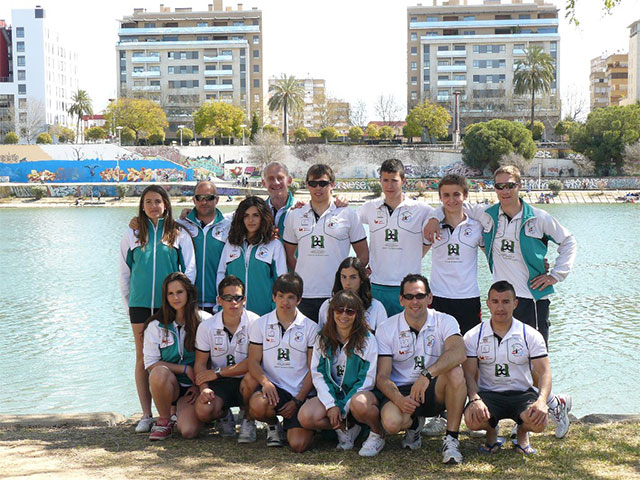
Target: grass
(606,451)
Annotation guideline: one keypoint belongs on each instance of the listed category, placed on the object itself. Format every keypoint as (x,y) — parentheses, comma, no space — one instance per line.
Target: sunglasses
(349,311)
(207,198)
(318,183)
(232,298)
(411,296)
(508,186)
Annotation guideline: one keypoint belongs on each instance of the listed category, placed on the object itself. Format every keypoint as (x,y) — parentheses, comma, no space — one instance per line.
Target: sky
(357,46)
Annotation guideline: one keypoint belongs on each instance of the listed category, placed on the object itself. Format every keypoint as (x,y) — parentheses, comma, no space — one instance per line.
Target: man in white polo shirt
(502,356)
(321,234)
(280,349)
(395,235)
(419,356)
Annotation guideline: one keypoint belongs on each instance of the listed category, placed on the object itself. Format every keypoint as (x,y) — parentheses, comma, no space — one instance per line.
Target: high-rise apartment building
(633,90)
(472,48)
(183,58)
(598,85)
(608,80)
(38,75)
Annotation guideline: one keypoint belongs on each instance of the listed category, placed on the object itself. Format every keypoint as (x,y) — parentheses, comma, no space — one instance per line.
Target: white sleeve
(289,232)
(186,245)
(448,326)
(356,230)
(255,331)
(384,346)
(125,271)
(318,380)
(203,339)
(280,258)
(151,345)
(471,342)
(567,247)
(474,211)
(363,213)
(371,356)
(312,333)
(222,265)
(378,314)
(322,314)
(535,343)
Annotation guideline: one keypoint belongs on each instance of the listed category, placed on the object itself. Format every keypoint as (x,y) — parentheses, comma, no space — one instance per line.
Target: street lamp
(119,129)
(243,126)
(180,127)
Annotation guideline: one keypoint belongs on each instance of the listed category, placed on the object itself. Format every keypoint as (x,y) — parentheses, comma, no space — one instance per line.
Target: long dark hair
(238,231)
(170,227)
(167,314)
(360,329)
(365,284)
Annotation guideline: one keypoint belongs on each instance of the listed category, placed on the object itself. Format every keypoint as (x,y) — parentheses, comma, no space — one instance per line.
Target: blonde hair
(510,170)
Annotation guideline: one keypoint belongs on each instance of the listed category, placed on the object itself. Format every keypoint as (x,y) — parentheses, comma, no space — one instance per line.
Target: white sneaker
(144,425)
(560,415)
(274,435)
(227,425)
(451,450)
(372,446)
(514,432)
(435,427)
(412,438)
(247,431)
(346,439)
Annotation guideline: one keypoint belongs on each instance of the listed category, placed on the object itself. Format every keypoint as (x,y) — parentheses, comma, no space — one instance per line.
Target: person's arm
(366,378)
(476,408)
(290,250)
(537,412)
(153,359)
(222,264)
(280,259)
(188,256)
(567,250)
(389,389)
(362,251)
(320,373)
(125,269)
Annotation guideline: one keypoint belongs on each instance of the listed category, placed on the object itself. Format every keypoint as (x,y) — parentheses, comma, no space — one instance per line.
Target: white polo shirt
(213,338)
(375,315)
(413,352)
(505,364)
(395,239)
(322,244)
(454,260)
(284,354)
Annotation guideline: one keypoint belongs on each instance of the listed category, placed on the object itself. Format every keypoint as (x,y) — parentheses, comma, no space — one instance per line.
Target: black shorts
(228,389)
(139,314)
(467,311)
(284,397)
(535,314)
(429,407)
(183,390)
(508,404)
(310,307)
(208,309)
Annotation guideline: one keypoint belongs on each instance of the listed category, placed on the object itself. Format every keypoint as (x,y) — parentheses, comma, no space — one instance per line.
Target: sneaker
(247,431)
(514,432)
(227,425)
(144,425)
(412,438)
(161,432)
(435,427)
(451,450)
(274,435)
(346,439)
(372,446)
(560,415)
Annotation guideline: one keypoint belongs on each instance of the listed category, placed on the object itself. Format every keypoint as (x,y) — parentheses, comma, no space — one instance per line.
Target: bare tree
(574,104)
(358,115)
(632,159)
(32,121)
(387,109)
(267,148)
(7,115)
(328,114)
(516,160)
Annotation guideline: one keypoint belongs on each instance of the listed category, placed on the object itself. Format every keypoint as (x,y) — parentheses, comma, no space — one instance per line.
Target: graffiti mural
(585,183)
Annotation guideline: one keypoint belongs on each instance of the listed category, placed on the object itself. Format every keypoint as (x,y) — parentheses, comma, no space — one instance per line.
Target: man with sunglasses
(223,340)
(419,355)
(321,233)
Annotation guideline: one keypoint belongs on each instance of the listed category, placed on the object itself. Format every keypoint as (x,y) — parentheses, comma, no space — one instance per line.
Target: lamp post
(243,126)
(180,127)
(119,129)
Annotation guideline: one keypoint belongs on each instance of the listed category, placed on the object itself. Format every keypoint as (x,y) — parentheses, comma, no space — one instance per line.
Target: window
(150,25)
(469,32)
(443,63)
(19,46)
(169,38)
(227,81)
(524,16)
(443,77)
(256,98)
(238,23)
(256,69)
(432,19)
(256,54)
(154,83)
(414,65)
(459,77)
(459,48)
(22,75)
(256,83)
(22,103)
(20,32)
(414,80)
(414,95)
(469,18)
(21,61)
(414,50)
(443,48)
(22,89)
(414,36)
(202,24)
(226,53)
(211,82)
(414,19)
(256,40)
(202,38)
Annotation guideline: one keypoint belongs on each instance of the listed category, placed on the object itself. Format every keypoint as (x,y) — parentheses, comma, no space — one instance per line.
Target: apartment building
(598,85)
(608,80)
(472,48)
(633,81)
(182,58)
(38,75)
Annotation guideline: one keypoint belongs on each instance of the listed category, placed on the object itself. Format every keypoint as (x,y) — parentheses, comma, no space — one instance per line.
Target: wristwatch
(298,402)
(217,372)
(426,373)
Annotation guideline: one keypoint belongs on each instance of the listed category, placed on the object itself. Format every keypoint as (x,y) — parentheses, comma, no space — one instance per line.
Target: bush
(11,138)
(38,192)
(386,133)
(44,138)
(328,133)
(271,129)
(155,139)
(301,135)
(121,190)
(355,134)
(538,129)
(375,188)
(96,133)
(373,131)
(294,187)
(187,135)
(555,186)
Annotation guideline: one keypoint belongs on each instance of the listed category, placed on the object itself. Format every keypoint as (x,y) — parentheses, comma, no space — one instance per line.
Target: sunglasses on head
(232,298)
(208,198)
(349,311)
(318,183)
(508,186)
(411,296)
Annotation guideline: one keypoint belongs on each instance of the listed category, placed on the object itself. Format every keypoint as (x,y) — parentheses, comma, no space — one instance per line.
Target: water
(67,344)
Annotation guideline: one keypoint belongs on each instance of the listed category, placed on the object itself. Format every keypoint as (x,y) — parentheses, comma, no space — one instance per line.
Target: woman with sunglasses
(343,369)
(169,354)
(253,254)
(156,248)
(351,275)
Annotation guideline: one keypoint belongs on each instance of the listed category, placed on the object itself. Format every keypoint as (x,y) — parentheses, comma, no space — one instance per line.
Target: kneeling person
(419,355)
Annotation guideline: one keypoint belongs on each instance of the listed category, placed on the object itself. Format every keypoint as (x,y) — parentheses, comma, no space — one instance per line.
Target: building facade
(608,80)
(472,48)
(38,75)
(633,82)
(181,59)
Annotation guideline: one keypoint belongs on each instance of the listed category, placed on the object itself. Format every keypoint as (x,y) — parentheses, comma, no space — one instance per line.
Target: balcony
(219,58)
(125,44)
(146,74)
(146,88)
(452,83)
(148,59)
(535,37)
(519,51)
(189,30)
(514,22)
(218,73)
(451,53)
(218,88)
(452,68)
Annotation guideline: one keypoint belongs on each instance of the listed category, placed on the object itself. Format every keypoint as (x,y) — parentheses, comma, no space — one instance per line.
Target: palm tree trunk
(286,127)
(533,103)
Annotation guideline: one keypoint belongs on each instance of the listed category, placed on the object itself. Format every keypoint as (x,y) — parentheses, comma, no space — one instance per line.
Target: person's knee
(160,375)
(530,427)
(307,417)
(455,378)
(300,442)
(258,406)
(189,431)
(206,413)
(472,424)
(392,422)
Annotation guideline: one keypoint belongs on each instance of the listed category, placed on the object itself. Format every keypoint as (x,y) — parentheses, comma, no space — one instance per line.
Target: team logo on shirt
(517,349)
(390,234)
(283,354)
(507,246)
(467,232)
(340,370)
(431,340)
(418,363)
(502,370)
(191,228)
(453,249)
(298,337)
(317,241)
(231,360)
(333,222)
(262,252)
(405,216)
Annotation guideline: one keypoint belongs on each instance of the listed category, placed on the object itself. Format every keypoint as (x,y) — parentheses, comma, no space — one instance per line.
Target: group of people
(266,310)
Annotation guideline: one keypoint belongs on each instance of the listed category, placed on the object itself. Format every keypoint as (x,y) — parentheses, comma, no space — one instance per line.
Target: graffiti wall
(585,183)
(109,190)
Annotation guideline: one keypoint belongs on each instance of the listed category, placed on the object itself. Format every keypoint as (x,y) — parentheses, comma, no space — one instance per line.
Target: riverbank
(84,449)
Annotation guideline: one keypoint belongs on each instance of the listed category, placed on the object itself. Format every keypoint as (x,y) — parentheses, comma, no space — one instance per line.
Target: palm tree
(534,73)
(81,106)
(287,94)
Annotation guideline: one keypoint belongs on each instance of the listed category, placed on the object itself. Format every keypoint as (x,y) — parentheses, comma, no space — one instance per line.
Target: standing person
(169,353)
(280,351)
(352,276)
(223,340)
(395,235)
(147,255)
(343,369)
(321,234)
(253,254)
(419,356)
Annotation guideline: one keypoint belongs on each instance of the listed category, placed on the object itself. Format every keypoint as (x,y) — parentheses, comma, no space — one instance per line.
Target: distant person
(147,255)
(169,354)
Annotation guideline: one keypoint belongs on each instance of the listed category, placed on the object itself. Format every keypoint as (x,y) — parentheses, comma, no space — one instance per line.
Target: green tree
(96,133)
(11,138)
(538,129)
(386,133)
(605,135)
(38,192)
(44,138)
(301,134)
(555,186)
(373,131)
(271,129)
(286,94)
(411,130)
(430,119)
(218,119)
(328,133)
(187,135)
(121,191)
(127,136)
(570,8)
(80,106)
(485,143)
(355,134)
(142,116)
(155,139)
(534,74)
(255,125)
(565,128)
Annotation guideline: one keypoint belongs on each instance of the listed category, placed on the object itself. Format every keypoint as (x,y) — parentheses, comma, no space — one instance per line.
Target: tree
(255,125)
(355,134)
(301,135)
(144,117)
(218,119)
(533,74)
(358,114)
(570,8)
(267,148)
(516,160)
(155,139)
(187,135)
(31,122)
(555,186)
(127,136)
(271,129)
(328,133)
(44,138)
(428,119)
(11,138)
(605,135)
(373,131)
(96,133)
(387,109)
(286,94)
(565,128)
(632,159)
(574,104)
(386,133)
(484,143)
(64,134)
(80,107)
(411,130)
(537,131)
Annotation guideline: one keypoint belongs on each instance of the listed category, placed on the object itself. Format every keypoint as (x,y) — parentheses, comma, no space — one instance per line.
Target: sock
(414,425)
(552,402)
(452,434)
